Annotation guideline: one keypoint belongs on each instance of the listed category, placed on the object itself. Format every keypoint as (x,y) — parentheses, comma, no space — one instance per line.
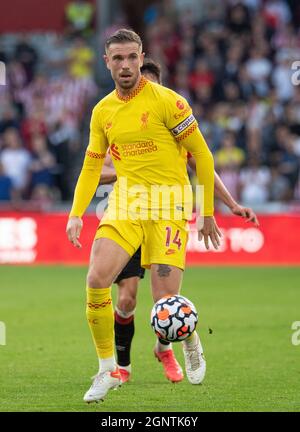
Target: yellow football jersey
(147,134)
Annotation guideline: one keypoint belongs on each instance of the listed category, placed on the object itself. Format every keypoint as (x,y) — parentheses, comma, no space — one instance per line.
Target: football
(174,318)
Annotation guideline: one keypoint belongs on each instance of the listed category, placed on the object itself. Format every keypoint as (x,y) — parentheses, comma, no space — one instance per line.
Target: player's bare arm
(223,194)
(196,145)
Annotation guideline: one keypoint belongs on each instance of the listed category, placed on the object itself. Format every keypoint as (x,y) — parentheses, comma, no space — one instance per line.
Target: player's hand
(210,230)
(246,213)
(73,230)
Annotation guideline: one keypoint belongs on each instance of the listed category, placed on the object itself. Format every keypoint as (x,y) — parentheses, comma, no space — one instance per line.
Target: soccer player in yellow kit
(145,126)
(128,280)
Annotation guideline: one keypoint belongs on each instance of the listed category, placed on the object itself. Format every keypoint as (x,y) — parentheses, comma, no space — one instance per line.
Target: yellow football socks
(100,316)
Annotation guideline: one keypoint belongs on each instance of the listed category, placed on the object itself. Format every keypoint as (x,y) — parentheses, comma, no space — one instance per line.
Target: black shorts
(132,268)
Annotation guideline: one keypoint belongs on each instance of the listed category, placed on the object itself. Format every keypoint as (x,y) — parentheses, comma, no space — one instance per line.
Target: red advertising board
(32,238)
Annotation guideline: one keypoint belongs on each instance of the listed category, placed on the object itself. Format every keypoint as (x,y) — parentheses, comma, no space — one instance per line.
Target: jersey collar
(142,83)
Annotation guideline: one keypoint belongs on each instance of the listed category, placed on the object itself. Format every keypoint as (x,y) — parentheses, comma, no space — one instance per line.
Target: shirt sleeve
(91,170)
(184,128)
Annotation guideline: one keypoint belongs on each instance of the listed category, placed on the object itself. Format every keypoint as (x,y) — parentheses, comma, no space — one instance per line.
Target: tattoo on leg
(163,270)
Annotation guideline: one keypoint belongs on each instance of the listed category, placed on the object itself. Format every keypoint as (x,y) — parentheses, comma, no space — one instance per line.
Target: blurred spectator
(81,59)
(282,77)
(233,61)
(15,160)
(259,69)
(288,164)
(33,126)
(6,185)
(56,58)
(238,20)
(230,91)
(61,138)
(229,155)
(279,186)
(277,13)
(42,164)
(79,17)
(181,85)
(41,198)
(17,81)
(292,117)
(228,160)
(245,83)
(27,56)
(33,95)
(201,76)
(8,118)
(257,112)
(254,183)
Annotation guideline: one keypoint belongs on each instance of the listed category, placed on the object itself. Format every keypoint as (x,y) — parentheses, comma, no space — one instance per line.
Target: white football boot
(103,382)
(195,364)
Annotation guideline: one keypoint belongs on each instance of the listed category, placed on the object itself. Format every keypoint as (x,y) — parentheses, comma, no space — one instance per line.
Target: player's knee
(98,279)
(126,303)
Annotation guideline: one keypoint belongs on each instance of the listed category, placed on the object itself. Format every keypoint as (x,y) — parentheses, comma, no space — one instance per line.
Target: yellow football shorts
(161,241)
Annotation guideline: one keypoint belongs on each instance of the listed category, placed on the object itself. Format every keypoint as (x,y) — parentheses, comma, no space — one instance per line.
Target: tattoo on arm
(163,270)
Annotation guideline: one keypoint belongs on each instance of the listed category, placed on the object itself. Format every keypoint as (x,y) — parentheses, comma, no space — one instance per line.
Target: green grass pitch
(252,364)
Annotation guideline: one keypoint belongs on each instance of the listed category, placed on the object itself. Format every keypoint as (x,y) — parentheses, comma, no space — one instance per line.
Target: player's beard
(127,83)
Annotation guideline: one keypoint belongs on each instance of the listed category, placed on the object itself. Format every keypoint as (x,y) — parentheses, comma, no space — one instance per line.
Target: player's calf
(124,332)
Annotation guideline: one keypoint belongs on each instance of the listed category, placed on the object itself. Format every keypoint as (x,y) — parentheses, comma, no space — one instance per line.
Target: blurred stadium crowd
(233,62)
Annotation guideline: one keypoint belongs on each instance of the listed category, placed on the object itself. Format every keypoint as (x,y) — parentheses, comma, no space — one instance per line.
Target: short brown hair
(152,67)
(122,36)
